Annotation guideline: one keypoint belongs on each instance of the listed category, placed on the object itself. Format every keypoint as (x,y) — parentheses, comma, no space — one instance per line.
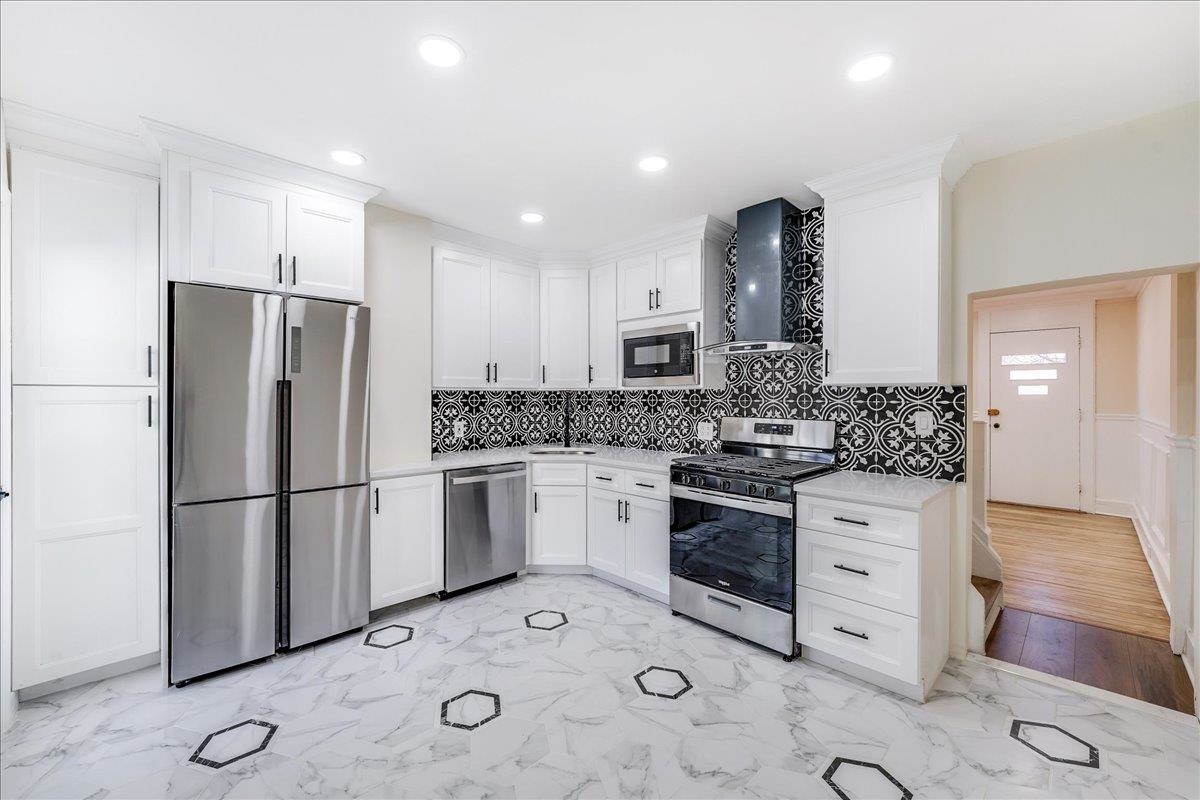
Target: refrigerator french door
(269,546)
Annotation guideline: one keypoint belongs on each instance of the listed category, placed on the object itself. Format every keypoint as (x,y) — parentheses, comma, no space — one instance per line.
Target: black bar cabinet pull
(658,298)
(619,519)
(826,363)
(603,478)
(279,266)
(495,372)
(626,512)
(149,362)
(543,373)
(645,485)
(851,569)
(852,521)
(535,502)
(487,372)
(377,500)
(590,379)
(840,629)
(650,300)
(149,411)
(293,270)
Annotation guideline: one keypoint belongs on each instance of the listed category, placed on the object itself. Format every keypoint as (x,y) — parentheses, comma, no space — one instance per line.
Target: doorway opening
(1083,427)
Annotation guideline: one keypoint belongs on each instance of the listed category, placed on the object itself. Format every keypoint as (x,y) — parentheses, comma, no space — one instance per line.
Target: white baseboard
(1114,508)
(88,676)
(1140,525)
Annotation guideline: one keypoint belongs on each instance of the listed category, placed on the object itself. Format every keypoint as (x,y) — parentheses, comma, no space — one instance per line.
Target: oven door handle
(774,508)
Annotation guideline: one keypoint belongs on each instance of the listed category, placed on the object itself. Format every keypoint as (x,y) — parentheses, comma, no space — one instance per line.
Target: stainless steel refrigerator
(269,499)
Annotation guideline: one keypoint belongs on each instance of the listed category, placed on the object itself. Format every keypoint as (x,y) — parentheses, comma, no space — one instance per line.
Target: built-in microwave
(663,356)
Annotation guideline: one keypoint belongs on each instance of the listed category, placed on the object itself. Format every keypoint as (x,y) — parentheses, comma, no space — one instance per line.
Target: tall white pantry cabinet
(86,414)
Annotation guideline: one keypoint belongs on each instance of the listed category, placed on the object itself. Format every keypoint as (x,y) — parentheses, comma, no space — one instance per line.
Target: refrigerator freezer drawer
(329,566)
(227,350)
(222,585)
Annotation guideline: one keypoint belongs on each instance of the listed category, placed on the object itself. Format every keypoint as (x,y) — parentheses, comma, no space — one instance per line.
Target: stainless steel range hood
(767,297)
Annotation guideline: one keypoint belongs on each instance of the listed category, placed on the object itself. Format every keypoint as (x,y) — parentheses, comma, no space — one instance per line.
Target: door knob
(993,412)
(996,425)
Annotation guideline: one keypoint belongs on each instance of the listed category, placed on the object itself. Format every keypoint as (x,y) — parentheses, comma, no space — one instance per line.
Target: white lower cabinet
(606,531)
(648,543)
(559,534)
(407,541)
(85,529)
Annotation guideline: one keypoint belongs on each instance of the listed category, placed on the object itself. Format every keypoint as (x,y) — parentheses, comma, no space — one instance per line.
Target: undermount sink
(562,451)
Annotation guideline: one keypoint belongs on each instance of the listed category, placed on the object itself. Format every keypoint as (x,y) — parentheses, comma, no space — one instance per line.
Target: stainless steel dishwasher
(485,525)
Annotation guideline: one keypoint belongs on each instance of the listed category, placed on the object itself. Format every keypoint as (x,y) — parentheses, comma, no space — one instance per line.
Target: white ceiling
(556,101)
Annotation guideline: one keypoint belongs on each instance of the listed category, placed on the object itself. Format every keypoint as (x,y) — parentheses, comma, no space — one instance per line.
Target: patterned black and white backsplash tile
(875,430)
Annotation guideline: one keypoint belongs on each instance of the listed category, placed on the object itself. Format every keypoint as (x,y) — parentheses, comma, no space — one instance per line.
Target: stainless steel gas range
(733,526)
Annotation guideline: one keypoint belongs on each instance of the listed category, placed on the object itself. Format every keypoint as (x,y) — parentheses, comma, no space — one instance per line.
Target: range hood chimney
(767,321)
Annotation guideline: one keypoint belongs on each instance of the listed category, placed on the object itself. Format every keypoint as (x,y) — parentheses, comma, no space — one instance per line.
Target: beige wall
(1155,350)
(1116,356)
(1184,411)
(399,291)
(1111,201)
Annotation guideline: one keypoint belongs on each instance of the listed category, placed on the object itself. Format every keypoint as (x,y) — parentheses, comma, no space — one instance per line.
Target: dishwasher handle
(483,474)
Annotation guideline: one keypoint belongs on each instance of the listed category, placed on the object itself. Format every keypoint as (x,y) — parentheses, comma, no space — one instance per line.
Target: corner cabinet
(887,307)
(602,328)
(407,539)
(565,330)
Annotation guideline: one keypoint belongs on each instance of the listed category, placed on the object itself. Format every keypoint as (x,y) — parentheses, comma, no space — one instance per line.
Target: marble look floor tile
(361,721)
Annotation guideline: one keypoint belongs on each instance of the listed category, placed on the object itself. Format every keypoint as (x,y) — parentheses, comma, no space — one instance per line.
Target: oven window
(651,354)
(745,553)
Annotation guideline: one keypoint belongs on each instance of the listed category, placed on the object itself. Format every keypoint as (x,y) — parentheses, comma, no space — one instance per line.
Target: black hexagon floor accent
(481,718)
(1093,759)
(268,731)
(548,622)
(905,794)
(400,634)
(657,673)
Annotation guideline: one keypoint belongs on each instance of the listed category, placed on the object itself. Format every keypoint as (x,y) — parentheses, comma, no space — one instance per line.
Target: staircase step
(990,589)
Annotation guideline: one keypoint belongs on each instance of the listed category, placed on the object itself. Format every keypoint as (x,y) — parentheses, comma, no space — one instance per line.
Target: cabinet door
(237,231)
(564,339)
(85,529)
(648,543)
(407,543)
(602,327)
(85,273)
(461,320)
(882,286)
(559,533)
(679,279)
(637,278)
(514,331)
(606,531)
(325,236)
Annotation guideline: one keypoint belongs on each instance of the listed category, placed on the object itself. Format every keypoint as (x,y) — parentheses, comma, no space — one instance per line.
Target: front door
(1034,418)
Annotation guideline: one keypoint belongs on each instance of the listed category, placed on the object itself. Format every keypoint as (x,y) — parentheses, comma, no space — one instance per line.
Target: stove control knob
(725,485)
(695,480)
(770,492)
(752,488)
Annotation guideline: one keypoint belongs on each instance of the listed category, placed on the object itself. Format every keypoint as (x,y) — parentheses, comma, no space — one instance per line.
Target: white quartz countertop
(622,457)
(894,491)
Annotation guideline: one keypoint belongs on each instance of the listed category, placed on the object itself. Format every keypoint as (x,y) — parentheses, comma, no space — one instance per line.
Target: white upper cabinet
(407,545)
(85,273)
(514,326)
(461,320)
(565,330)
(679,279)
(238,231)
(325,247)
(637,278)
(602,327)
(85,529)
(887,269)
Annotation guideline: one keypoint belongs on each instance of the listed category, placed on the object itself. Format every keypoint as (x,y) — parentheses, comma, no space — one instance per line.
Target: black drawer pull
(376,499)
(851,569)
(852,521)
(602,478)
(840,629)
(721,602)
(535,510)
(645,485)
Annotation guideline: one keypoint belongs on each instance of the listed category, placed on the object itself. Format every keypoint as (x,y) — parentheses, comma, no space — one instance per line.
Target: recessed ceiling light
(440,51)
(652,164)
(348,157)
(532,217)
(870,68)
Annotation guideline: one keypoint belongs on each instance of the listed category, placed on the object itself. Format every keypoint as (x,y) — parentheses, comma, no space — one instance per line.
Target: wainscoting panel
(1116,462)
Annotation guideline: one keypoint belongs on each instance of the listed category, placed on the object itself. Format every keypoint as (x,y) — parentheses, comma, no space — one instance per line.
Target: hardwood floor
(1120,662)
(1086,568)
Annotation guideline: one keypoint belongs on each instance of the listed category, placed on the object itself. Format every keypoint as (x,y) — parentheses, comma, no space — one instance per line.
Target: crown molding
(483,245)
(943,158)
(564,260)
(37,129)
(705,227)
(162,136)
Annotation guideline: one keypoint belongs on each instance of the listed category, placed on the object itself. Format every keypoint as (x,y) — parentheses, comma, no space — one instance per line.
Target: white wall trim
(481,245)
(1116,458)
(944,158)
(705,227)
(36,129)
(160,136)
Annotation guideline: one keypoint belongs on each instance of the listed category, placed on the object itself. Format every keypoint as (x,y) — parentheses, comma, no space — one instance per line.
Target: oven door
(660,356)
(736,545)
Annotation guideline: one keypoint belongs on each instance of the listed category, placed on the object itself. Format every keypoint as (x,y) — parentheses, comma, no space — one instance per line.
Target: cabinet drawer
(648,484)
(865,635)
(606,478)
(559,474)
(877,574)
(871,523)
